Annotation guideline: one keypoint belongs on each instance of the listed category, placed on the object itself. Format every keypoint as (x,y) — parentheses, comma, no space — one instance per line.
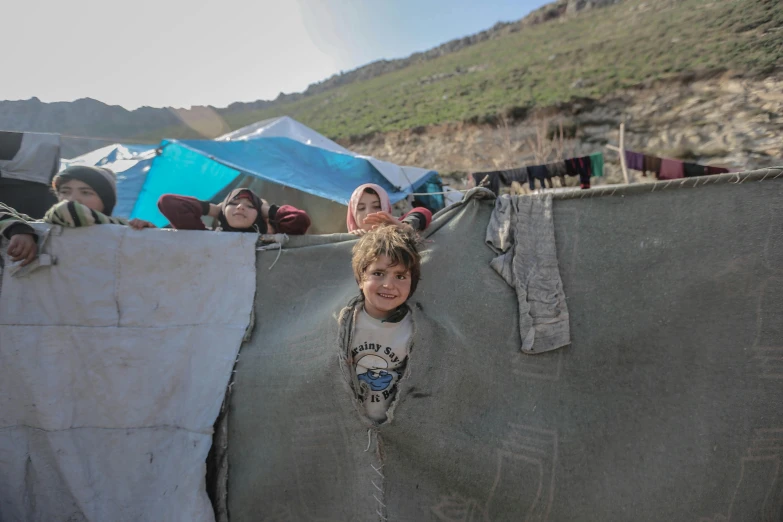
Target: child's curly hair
(401,246)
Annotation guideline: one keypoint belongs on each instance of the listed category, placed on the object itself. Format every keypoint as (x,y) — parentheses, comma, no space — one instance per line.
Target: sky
(181,53)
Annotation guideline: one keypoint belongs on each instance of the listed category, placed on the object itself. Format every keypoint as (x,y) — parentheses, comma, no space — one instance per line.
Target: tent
(286,127)
(281,159)
(129,162)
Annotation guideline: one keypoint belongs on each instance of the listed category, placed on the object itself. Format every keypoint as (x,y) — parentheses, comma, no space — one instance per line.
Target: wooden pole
(622,152)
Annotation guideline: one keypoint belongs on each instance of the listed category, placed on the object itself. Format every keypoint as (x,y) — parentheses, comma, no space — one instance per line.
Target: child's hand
(378,219)
(23,247)
(381,218)
(138,224)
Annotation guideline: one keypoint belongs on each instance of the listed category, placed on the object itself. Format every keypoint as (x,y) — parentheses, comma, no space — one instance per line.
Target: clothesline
(585,167)
(665,168)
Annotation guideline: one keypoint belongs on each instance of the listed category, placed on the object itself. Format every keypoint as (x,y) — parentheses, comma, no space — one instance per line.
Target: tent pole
(622,152)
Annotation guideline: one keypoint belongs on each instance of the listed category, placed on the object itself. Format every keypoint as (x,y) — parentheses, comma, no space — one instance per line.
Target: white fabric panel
(113,366)
(95,474)
(286,127)
(66,376)
(78,290)
(215,277)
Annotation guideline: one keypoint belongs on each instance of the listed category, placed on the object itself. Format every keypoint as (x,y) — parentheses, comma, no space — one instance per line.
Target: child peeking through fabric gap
(242,211)
(386,265)
(86,195)
(370,206)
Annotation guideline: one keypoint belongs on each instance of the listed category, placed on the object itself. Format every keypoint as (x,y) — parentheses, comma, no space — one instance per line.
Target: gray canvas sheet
(666,405)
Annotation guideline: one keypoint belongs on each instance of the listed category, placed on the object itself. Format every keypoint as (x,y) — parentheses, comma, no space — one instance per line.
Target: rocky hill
(669,67)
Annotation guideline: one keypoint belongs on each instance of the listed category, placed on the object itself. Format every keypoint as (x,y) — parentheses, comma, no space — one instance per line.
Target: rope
(733,178)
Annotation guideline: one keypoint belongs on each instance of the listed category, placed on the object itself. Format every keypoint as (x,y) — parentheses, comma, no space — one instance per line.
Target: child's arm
(22,237)
(184,212)
(72,214)
(419,218)
(288,220)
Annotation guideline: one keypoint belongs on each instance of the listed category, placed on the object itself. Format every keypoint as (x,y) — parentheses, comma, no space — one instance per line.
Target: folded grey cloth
(522,232)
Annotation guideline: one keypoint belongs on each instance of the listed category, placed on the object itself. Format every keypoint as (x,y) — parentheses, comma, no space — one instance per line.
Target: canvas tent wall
(282,170)
(666,406)
(129,162)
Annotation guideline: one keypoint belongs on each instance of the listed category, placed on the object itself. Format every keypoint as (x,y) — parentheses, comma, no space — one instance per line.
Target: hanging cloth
(671,169)
(597,164)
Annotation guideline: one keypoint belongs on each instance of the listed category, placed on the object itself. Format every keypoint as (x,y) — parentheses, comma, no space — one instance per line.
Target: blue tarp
(203,169)
(130,181)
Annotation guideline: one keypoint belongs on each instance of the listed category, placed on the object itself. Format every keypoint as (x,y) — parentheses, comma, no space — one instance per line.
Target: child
(386,265)
(86,197)
(241,211)
(370,206)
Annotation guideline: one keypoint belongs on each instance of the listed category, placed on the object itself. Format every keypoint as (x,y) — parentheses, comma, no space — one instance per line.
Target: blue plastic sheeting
(201,169)
(129,184)
(180,170)
(130,181)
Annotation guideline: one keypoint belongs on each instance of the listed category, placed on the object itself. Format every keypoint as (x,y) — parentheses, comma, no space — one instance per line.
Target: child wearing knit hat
(87,197)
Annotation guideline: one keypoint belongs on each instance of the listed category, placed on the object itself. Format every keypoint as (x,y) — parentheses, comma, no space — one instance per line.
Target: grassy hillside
(588,55)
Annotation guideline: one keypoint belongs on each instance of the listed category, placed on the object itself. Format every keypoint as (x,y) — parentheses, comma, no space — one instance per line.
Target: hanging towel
(582,168)
(538,172)
(671,169)
(634,160)
(693,169)
(509,176)
(558,170)
(652,164)
(717,170)
(597,164)
(521,231)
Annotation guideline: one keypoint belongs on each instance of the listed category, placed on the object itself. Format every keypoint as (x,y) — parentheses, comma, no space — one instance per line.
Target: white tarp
(117,157)
(112,372)
(286,127)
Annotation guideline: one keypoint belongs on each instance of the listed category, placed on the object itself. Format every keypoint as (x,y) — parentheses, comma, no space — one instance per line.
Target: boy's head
(93,187)
(387,267)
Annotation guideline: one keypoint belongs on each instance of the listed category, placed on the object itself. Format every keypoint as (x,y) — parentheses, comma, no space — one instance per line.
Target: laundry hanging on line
(584,167)
(666,168)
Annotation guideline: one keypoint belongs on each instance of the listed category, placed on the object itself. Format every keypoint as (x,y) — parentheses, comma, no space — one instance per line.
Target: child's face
(240,213)
(368,204)
(80,192)
(385,287)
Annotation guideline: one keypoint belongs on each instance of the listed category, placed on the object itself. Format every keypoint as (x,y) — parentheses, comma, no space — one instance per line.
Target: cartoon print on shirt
(370,369)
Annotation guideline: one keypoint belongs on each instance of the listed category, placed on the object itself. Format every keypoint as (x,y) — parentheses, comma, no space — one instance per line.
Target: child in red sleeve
(241,211)
(370,206)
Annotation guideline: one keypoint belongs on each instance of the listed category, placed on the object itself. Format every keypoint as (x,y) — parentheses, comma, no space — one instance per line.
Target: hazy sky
(194,52)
